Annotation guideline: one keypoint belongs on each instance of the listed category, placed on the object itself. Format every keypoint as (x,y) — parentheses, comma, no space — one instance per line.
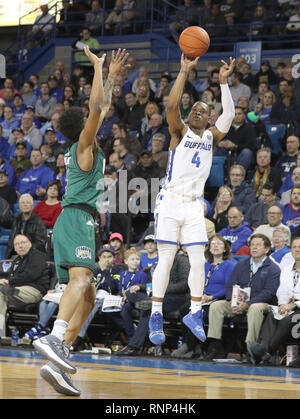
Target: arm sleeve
(224,121)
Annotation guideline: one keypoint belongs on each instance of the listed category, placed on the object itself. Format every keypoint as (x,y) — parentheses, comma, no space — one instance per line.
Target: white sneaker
(59,380)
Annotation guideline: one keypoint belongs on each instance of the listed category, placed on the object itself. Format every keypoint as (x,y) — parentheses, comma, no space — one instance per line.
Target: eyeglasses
(21,243)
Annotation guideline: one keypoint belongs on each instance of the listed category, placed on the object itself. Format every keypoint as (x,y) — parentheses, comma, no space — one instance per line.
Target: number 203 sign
(251,51)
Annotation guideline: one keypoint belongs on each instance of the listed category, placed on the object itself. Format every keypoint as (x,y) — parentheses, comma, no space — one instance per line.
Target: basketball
(194,41)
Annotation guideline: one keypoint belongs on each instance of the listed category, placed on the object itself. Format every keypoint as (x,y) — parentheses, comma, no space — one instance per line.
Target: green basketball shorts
(73,241)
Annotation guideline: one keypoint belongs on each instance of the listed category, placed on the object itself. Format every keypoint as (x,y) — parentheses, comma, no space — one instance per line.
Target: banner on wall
(12,10)
(251,51)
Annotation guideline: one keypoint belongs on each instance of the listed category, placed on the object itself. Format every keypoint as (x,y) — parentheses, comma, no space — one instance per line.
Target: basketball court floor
(110,377)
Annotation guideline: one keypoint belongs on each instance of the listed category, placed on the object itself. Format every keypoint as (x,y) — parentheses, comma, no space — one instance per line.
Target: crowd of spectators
(258,207)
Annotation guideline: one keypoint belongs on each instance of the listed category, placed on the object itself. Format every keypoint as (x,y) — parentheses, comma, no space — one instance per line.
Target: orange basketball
(194,41)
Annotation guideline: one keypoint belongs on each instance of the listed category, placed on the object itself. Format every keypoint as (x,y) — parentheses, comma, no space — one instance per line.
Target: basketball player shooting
(179,214)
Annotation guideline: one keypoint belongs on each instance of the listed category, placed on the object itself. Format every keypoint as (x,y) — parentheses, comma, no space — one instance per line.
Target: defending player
(74,243)
(178,213)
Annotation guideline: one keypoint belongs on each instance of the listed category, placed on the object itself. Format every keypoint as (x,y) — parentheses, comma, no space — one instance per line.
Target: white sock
(59,329)
(156,307)
(195,306)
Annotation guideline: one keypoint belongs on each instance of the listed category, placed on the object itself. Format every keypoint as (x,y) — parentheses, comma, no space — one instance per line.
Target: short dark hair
(71,123)
(265,239)
(270,187)
(227,251)
(54,183)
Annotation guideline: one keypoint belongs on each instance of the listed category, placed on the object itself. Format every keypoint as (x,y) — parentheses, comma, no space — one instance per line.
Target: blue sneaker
(156,333)
(195,323)
(33,333)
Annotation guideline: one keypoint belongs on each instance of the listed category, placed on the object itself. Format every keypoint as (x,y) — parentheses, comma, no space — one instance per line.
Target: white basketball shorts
(179,221)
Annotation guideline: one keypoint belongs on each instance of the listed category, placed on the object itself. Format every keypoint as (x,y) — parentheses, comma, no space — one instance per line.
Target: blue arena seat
(216,176)
(276,133)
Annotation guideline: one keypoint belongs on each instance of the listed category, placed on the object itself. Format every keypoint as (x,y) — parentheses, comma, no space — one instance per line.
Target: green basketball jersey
(83,187)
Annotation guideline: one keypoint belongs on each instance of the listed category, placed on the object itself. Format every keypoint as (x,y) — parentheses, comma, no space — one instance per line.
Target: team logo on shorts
(83,252)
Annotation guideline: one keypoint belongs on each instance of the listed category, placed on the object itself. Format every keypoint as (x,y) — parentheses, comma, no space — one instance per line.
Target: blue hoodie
(238,236)
(29,180)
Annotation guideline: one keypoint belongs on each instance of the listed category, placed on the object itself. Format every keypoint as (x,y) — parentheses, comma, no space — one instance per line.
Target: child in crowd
(116,240)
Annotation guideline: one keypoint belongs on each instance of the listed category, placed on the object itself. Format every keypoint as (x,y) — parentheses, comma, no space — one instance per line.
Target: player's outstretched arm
(224,121)
(176,125)
(86,139)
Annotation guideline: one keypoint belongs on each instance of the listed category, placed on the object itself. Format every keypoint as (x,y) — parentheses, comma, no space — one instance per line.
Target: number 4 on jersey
(196,159)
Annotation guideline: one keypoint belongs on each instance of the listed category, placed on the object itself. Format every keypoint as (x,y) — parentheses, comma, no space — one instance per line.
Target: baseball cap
(116,236)
(149,237)
(265,62)
(5,172)
(50,129)
(149,153)
(106,248)
(30,107)
(22,143)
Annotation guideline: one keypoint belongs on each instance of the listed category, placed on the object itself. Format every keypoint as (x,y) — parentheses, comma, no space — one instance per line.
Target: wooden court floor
(111,377)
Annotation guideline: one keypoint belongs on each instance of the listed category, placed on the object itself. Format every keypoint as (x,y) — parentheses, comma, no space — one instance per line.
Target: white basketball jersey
(189,165)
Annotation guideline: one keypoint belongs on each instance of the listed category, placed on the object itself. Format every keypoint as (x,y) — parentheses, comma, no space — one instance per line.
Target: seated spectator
(7,192)
(176,297)
(157,145)
(220,207)
(35,79)
(267,102)
(8,83)
(291,211)
(156,125)
(214,21)
(133,114)
(5,165)
(243,103)
(150,109)
(45,105)
(281,244)
(164,87)
(26,281)
(17,135)
(240,141)
(55,91)
(248,77)
(9,123)
(218,268)
(60,172)
(185,106)
(149,259)
(35,180)
(54,124)
(116,240)
(132,281)
(238,231)
(264,173)
(25,222)
(186,15)
(262,137)
(238,88)
(143,72)
(105,131)
(42,26)
(50,209)
(31,134)
(144,94)
(51,141)
(47,156)
(28,96)
(289,183)
(231,8)
(93,43)
(9,97)
(265,74)
(129,160)
(257,213)
(288,161)
(68,17)
(286,108)
(293,25)
(95,18)
(244,195)
(117,21)
(30,110)
(261,275)
(120,130)
(275,333)
(107,275)
(256,98)
(4,146)
(275,220)
(116,162)
(19,108)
